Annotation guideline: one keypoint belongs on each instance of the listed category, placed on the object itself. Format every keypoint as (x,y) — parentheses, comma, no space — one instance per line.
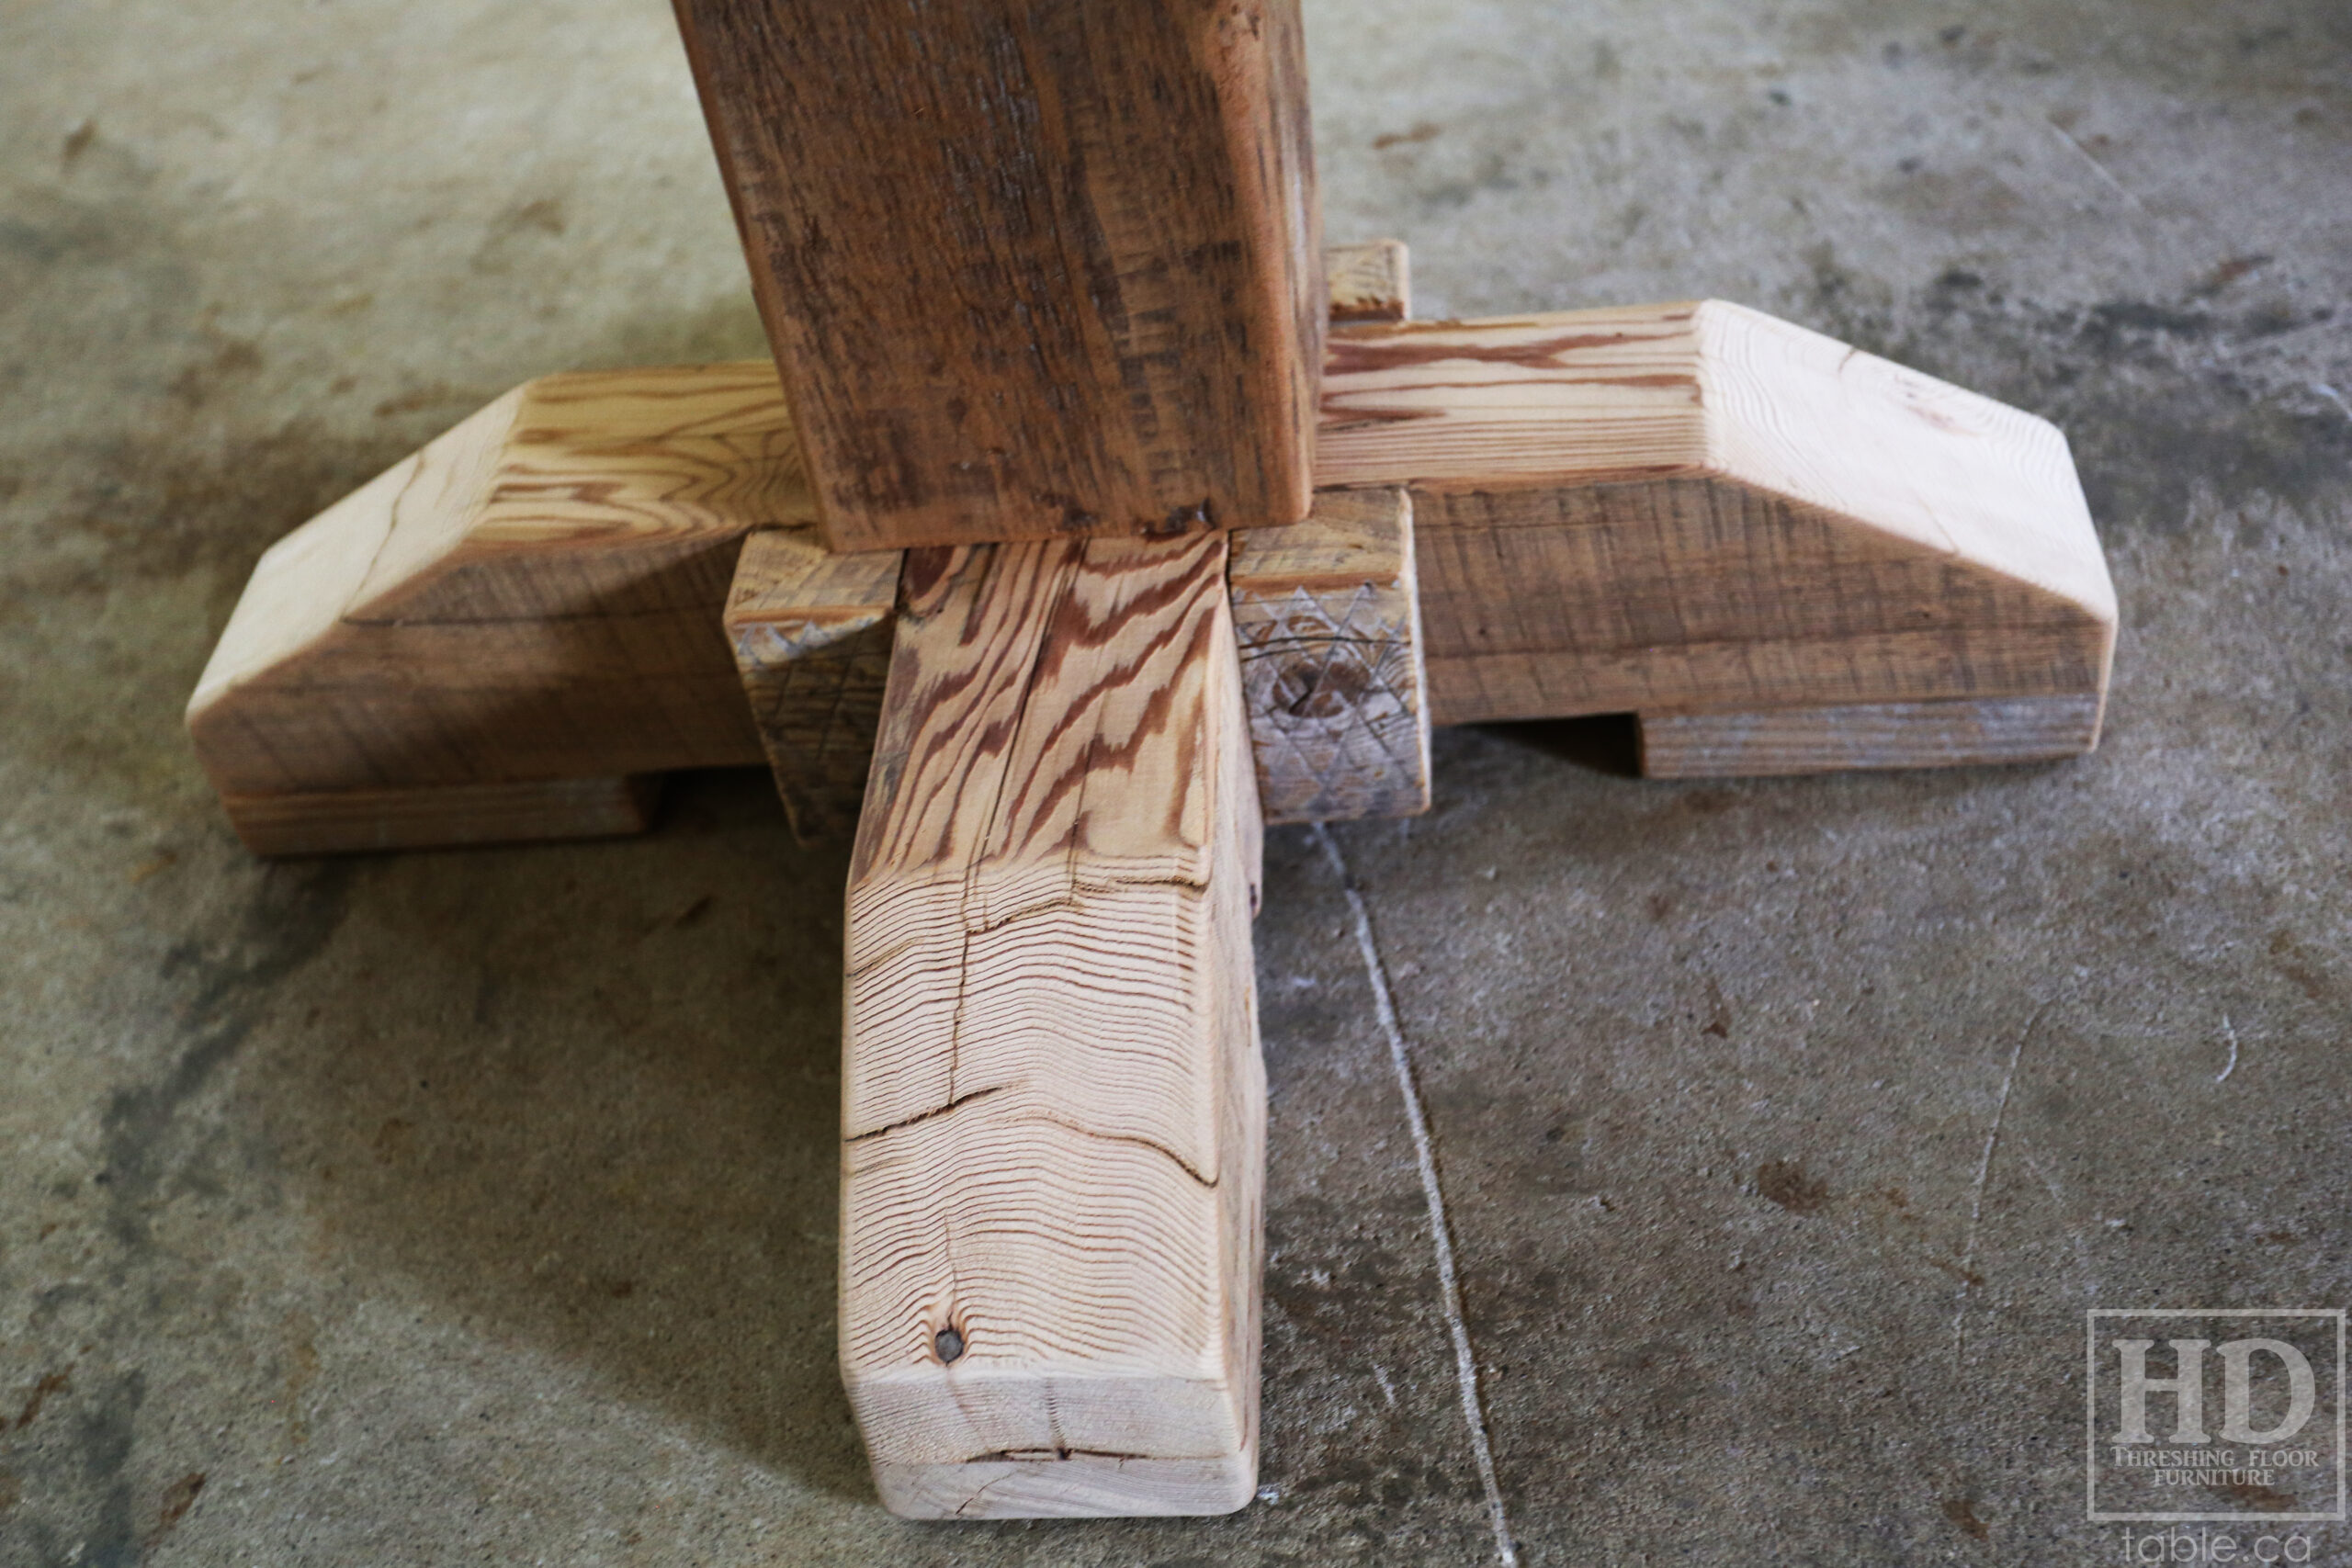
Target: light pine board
(1867,736)
(1328,619)
(1030,270)
(1052,1098)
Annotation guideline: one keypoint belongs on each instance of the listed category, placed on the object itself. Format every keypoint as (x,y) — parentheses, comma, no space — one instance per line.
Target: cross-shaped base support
(1031,594)
(1052,1099)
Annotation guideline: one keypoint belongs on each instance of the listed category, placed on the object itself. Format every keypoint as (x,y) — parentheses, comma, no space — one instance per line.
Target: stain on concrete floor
(458,1207)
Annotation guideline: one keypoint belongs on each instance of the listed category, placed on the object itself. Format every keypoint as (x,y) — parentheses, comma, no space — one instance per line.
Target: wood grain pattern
(1031,267)
(1328,613)
(1052,1099)
(364,821)
(1697,506)
(1868,736)
(1369,283)
(811,632)
(1325,612)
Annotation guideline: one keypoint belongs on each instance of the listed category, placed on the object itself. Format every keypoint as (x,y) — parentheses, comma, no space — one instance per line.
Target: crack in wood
(1137,1139)
(955,1104)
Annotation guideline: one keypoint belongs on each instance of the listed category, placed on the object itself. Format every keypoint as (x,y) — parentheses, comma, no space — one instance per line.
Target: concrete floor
(480,1207)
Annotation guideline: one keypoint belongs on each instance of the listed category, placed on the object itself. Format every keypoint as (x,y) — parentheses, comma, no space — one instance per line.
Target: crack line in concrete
(2098,168)
(2332,396)
(1984,1170)
(1466,1365)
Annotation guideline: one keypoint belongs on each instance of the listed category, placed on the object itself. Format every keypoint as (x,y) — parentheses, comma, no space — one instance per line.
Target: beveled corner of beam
(1697,508)
(531,596)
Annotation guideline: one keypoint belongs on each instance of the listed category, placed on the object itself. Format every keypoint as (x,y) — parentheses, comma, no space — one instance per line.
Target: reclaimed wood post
(1032,268)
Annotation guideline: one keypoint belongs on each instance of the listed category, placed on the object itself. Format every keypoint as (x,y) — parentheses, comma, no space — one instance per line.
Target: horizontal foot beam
(1674,508)
(1053,1105)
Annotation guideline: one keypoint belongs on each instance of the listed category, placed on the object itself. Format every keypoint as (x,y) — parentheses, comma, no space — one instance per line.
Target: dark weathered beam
(1031,267)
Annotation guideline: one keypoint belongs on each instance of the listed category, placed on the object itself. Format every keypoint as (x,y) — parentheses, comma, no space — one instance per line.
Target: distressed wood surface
(812,632)
(1052,1099)
(1031,267)
(1329,635)
(1698,592)
(1867,736)
(535,596)
(1328,619)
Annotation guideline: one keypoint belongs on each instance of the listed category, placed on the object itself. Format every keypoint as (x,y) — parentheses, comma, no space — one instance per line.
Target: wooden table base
(1089,518)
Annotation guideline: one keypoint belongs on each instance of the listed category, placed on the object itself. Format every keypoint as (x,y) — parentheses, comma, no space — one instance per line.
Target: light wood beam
(1052,1099)
(532,597)
(1694,507)
(1672,510)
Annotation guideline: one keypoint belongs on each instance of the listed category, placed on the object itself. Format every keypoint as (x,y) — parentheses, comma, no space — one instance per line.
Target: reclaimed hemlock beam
(531,598)
(1053,1100)
(534,598)
(1032,268)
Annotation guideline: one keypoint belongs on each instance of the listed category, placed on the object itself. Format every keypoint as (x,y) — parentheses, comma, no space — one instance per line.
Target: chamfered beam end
(1697,508)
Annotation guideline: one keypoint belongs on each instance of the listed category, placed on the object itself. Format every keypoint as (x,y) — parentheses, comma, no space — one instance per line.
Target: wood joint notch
(1327,615)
